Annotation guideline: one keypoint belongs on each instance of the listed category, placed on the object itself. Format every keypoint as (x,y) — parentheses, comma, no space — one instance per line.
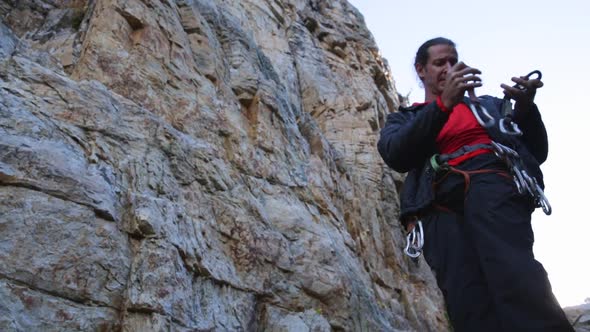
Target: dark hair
(422,54)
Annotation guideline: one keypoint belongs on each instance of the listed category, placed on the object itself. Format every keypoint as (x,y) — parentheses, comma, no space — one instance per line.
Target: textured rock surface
(579,316)
(199,165)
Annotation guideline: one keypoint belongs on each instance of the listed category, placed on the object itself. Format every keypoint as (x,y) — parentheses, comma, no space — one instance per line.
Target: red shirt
(461,129)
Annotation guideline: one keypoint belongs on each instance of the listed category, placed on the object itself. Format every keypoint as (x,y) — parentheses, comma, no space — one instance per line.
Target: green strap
(435,165)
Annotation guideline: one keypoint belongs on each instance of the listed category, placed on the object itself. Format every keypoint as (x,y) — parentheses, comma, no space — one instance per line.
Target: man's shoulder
(412,108)
(490,98)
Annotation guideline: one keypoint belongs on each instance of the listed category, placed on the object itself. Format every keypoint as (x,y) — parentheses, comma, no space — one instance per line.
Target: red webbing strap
(467,177)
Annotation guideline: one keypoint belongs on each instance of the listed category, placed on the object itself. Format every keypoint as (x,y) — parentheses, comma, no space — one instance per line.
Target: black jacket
(408,141)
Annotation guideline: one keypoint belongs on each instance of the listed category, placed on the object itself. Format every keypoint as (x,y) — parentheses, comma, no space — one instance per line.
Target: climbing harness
(507,126)
(438,162)
(415,240)
(525,184)
(477,108)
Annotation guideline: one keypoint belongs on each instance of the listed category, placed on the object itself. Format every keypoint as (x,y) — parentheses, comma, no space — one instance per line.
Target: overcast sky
(511,38)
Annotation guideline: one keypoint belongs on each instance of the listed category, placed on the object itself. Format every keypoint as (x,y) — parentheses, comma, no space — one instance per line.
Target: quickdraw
(524,183)
(415,240)
(507,126)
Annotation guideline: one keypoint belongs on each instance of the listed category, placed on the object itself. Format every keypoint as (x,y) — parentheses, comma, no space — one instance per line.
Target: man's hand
(460,78)
(525,96)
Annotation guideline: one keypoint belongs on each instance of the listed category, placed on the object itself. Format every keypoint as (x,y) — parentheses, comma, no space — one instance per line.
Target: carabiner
(524,185)
(415,241)
(543,201)
(508,127)
(504,150)
(518,185)
(539,195)
(474,105)
(522,180)
(528,77)
(532,184)
(484,123)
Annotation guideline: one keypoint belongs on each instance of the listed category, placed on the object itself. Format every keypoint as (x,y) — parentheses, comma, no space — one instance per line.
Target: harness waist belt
(443,158)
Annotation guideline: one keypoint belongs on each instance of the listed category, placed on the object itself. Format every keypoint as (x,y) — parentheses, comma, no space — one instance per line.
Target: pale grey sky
(511,38)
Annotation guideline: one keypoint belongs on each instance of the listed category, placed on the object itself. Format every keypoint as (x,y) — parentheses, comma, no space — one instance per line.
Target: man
(463,187)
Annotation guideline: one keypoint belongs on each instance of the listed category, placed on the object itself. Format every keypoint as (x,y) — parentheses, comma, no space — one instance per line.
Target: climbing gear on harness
(476,108)
(436,164)
(467,176)
(507,126)
(439,162)
(524,182)
(415,240)
(461,151)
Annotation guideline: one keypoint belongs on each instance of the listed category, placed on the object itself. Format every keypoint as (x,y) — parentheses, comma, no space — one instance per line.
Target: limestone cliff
(199,165)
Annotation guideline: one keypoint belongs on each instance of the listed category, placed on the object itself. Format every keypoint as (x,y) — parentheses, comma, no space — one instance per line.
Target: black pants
(479,244)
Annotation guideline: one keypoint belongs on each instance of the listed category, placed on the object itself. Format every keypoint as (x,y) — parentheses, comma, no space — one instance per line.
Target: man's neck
(429,97)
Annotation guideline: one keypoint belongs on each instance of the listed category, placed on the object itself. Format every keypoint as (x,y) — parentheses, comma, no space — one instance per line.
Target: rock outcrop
(199,165)
(579,316)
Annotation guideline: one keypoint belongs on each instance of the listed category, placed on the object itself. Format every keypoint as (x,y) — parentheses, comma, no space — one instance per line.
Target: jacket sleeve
(534,133)
(408,137)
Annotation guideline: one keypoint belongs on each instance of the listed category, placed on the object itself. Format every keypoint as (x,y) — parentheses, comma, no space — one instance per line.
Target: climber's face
(433,74)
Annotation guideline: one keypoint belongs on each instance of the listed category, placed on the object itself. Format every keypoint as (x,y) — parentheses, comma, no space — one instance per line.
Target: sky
(505,39)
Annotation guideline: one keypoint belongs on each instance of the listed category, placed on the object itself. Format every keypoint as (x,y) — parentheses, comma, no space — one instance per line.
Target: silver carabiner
(509,128)
(503,149)
(524,185)
(531,183)
(543,201)
(415,241)
(518,186)
(506,125)
(474,105)
(484,123)
(508,150)
(523,181)
(539,196)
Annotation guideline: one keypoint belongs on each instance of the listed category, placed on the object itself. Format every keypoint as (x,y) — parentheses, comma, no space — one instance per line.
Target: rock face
(579,316)
(199,165)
